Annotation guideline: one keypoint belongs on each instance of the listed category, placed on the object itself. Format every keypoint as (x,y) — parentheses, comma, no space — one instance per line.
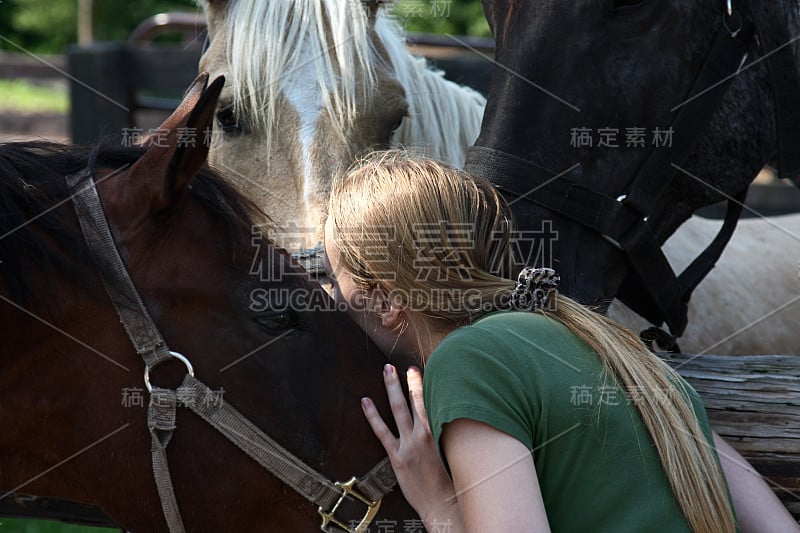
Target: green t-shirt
(530,377)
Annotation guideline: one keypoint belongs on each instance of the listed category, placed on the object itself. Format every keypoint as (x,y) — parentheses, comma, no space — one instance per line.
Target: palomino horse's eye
(389,126)
(227,120)
(279,322)
(398,122)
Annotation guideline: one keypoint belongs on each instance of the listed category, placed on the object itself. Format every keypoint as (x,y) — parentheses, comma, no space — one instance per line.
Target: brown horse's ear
(170,162)
(190,98)
(189,158)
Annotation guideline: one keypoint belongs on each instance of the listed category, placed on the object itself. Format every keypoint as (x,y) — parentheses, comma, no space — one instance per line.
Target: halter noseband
(148,342)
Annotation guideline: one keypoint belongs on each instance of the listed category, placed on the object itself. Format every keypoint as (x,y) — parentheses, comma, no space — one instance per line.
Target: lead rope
(161,414)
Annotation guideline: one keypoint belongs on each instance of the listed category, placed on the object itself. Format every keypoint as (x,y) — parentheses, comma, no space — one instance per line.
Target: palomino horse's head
(257,331)
(588,91)
(313,84)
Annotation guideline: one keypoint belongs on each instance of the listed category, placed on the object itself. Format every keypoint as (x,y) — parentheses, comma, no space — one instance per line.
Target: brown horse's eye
(276,323)
(227,120)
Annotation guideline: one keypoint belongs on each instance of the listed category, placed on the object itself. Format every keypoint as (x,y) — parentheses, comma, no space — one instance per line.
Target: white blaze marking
(303,92)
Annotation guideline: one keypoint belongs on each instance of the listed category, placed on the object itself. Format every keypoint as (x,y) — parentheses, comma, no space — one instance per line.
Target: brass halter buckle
(349,489)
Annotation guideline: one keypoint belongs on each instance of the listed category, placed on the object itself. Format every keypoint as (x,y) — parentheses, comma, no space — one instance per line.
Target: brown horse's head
(255,328)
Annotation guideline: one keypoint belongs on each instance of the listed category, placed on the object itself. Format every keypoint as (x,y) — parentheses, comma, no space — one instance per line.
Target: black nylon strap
(551,190)
(705,97)
(600,213)
(692,275)
(643,302)
(666,295)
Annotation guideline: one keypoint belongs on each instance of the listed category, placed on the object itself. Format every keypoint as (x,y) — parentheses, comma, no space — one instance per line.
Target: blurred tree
(458,17)
(115,24)
(37,25)
(47,26)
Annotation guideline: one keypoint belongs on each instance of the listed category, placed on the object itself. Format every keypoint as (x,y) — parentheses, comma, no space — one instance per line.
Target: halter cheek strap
(161,416)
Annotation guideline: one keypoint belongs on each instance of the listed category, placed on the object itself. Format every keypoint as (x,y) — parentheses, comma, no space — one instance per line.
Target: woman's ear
(389,310)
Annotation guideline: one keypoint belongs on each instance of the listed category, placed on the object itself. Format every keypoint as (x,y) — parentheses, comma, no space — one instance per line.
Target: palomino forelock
(320,56)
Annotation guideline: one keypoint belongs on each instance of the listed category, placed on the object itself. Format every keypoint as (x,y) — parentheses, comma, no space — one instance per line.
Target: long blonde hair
(440,239)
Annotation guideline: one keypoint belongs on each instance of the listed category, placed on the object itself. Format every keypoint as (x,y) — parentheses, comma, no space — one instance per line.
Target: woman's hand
(414,455)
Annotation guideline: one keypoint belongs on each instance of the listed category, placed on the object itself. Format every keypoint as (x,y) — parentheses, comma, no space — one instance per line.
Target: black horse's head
(588,93)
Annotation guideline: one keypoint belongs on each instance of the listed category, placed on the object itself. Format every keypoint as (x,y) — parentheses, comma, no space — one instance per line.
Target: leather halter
(150,345)
(652,289)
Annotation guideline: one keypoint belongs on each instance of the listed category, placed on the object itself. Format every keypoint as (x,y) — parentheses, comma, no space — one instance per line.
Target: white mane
(264,43)
(444,117)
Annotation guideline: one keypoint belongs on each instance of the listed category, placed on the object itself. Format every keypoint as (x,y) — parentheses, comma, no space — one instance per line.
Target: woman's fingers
(414,377)
(379,427)
(397,400)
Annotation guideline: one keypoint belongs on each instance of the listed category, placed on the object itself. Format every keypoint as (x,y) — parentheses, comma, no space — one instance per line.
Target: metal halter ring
(180,357)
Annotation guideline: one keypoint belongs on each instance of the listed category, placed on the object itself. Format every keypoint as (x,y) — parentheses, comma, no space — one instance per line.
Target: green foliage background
(48,26)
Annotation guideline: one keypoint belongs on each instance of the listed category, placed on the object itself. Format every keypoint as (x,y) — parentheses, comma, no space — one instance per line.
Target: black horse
(621,118)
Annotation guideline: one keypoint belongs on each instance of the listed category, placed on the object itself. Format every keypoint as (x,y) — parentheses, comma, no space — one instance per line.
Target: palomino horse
(74,407)
(619,119)
(314,83)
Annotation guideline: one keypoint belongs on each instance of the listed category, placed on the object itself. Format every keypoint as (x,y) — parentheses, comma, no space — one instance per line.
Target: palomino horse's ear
(372,7)
(170,162)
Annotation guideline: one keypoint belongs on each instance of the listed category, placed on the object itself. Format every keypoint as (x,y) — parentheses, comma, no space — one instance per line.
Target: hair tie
(534,286)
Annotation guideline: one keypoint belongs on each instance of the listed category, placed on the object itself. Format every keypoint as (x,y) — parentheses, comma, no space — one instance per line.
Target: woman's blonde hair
(440,240)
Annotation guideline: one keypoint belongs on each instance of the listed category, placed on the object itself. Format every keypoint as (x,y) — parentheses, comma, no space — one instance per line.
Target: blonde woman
(543,415)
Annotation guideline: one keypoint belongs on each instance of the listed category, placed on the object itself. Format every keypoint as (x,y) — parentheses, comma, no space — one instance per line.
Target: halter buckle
(349,489)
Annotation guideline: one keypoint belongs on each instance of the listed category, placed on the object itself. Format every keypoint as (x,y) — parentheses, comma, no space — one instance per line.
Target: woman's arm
(494,477)
(494,473)
(757,508)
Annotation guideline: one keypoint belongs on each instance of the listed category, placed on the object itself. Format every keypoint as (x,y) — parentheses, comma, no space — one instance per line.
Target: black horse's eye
(278,322)
(227,120)
(622,4)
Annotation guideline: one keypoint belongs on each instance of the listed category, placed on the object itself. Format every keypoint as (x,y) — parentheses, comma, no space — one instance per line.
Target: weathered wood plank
(753,402)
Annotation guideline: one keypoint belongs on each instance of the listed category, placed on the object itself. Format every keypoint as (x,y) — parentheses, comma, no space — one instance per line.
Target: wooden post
(101,96)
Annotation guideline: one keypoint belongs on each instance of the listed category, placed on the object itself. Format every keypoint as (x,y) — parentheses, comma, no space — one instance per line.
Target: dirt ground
(16,126)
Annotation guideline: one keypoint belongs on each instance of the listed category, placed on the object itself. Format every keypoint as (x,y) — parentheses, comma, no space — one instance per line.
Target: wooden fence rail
(753,402)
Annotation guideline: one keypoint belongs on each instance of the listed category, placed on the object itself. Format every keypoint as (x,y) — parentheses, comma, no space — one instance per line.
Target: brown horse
(73,411)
